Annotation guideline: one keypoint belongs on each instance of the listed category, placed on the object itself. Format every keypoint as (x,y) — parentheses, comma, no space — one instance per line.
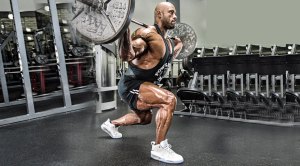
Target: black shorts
(128,89)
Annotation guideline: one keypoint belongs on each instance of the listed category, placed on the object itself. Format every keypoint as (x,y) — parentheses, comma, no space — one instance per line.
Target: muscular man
(149,53)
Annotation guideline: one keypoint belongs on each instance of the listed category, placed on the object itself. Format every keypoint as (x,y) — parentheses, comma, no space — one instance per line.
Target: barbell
(104,21)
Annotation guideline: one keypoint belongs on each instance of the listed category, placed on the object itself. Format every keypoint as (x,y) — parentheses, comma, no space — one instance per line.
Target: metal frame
(59,52)
(290,81)
(203,78)
(31,114)
(22,56)
(232,82)
(274,78)
(264,78)
(273,123)
(250,77)
(2,72)
(215,84)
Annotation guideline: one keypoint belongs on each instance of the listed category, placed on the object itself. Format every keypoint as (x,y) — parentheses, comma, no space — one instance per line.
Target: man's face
(169,17)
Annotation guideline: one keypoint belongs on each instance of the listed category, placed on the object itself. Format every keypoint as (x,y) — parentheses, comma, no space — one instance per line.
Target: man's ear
(159,14)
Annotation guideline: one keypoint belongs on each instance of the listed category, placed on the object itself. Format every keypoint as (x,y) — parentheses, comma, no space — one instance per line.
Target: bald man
(149,53)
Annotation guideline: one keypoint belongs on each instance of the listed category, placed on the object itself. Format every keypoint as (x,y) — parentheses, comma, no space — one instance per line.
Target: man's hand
(177,40)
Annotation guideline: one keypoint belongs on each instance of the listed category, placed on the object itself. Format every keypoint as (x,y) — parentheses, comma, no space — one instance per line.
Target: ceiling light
(10,16)
(28,30)
(47,8)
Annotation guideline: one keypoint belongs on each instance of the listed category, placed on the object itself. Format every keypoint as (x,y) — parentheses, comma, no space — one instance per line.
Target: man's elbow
(126,55)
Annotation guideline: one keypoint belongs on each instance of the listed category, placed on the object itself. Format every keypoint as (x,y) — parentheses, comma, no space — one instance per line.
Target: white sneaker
(164,153)
(111,129)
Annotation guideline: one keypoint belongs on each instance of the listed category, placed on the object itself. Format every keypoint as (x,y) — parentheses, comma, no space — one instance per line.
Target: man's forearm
(126,52)
(177,49)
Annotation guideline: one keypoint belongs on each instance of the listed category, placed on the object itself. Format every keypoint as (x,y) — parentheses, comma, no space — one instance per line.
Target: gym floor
(75,139)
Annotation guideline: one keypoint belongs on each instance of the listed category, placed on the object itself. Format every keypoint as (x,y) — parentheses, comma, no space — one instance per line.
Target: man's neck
(163,30)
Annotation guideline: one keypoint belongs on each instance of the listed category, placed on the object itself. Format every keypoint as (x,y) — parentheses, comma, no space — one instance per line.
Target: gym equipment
(9,49)
(295,49)
(237,50)
(78,51)
(187,63)
(220,51)
(205,52)
(279,50)
(265,51)
(193,98)
(241,67)
(188,37)
(103,22)
(183,79)
(272,68)
(40,55)
(211,69)
(293,104)
(266,101)
(253,49)
(293,72)
(40,58)
(238,104)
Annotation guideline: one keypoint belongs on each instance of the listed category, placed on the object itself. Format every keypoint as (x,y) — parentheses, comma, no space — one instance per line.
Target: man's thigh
(152,96)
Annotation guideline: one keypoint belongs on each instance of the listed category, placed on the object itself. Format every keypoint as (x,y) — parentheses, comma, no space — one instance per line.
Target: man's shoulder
(145,31)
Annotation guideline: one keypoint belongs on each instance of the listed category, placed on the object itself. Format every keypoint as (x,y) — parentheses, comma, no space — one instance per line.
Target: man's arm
(132,47)
(178,46)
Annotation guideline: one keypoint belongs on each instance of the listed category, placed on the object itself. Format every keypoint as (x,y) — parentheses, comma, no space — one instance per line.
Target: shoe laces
(168,148)
(115,129)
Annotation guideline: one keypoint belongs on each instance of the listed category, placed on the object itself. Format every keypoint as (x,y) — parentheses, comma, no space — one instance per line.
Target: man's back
(151,64)
(155,48)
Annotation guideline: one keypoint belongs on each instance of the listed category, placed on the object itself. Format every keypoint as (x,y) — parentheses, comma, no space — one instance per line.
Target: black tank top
(156,74)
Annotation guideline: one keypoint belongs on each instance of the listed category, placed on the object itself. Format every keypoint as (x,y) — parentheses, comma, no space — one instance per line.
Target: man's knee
(146,121)
(146,118)
(172,100)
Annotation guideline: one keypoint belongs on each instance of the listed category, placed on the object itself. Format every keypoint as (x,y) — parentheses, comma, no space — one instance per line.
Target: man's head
(165,15)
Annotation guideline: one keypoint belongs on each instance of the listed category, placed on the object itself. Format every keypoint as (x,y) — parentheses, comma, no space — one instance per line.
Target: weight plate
(188,37)
(187,63)
(102,21)
(41,59)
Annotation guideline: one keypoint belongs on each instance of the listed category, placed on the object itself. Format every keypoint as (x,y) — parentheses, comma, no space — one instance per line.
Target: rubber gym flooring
(75,139)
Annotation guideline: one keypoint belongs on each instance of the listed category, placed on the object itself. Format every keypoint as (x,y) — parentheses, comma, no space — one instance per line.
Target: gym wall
(144,12)
(265,22)
(225,23)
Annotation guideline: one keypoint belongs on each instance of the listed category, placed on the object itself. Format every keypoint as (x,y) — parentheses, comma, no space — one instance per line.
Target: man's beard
(170,26)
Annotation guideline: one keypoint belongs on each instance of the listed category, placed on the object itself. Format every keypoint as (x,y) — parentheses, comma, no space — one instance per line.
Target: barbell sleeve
(139,23)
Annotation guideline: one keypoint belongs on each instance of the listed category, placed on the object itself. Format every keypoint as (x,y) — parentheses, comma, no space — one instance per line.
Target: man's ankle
(113,123)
